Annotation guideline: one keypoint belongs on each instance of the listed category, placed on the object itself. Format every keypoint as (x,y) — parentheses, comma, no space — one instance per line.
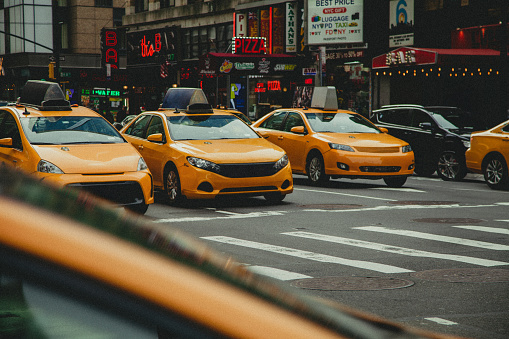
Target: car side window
(506,128)
(138,128)
(155,126)
(395,116)
(274,121)
(292,120)
(9,129)
(419,117)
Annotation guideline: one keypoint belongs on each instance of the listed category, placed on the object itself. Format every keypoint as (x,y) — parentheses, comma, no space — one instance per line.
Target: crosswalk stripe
(436,237)
(396,249)
(276,273)
(485,229)
(309,255)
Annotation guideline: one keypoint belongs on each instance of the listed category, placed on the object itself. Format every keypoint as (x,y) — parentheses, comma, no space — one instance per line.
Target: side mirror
(117,125)
(383,129)
(298,130)
(426,126)
(6,142)
(158,137)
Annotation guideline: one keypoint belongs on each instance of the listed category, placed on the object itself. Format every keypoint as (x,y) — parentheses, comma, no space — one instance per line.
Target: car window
(274,121)
(9,129)
(61,130)
(340,123)
(395,116)
(155,126)
(418,117)
(209,127)
(138,127)
(505,128)
(292,120)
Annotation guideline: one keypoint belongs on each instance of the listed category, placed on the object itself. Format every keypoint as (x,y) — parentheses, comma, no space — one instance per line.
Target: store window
(201,40)
(166,3)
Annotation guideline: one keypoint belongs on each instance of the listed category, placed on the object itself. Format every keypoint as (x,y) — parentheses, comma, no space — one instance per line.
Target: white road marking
(442,321)
(486,229)
(436,237)
(345,194)
(504,203)
(276,273)
(398,207)
(396,249)
(230,216)
(503,220)
(309,255)
(401,189)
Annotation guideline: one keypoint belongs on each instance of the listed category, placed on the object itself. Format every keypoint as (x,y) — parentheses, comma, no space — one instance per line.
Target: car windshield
(340,123)
(209,127)
(69,130)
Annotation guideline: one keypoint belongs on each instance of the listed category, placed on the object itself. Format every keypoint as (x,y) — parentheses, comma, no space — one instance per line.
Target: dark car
(438,135)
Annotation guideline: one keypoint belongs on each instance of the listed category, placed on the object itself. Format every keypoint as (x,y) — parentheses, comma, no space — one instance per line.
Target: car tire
(495,172)
(274,198)
(138,208)
(451,167)
(315,169)
(172,186)
(395,182)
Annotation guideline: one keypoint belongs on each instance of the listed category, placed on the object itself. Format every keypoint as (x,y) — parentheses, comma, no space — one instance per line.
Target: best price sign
(334,21)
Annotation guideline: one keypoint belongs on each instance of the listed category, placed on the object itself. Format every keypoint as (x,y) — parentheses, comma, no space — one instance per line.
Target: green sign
(105,92)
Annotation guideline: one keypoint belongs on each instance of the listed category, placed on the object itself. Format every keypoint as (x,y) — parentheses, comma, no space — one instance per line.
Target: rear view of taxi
(196,152)
(489,154)
(324,142)
(45,136)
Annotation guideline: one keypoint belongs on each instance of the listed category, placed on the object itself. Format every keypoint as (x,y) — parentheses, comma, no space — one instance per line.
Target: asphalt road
(432,254)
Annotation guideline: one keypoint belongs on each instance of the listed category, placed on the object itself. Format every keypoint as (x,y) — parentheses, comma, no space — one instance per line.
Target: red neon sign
(260,88)
(250,45)
(274,85)
(110,54)
(147,48)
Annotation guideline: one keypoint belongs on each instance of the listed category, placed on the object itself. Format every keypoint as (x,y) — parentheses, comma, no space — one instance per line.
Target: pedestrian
(121,114)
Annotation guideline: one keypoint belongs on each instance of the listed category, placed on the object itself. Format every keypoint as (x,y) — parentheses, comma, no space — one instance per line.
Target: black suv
(439,136)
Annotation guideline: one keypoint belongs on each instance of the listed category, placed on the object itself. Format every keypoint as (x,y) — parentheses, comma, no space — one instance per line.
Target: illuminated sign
(405,56)
(156,46)
(109,48)
(260,88)
(104,92)
(249,45)
(274,85)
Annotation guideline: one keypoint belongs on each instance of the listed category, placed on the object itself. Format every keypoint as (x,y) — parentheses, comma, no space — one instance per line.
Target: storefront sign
(151,46)
(285,67)
(226,67)
(249,45)
(345,55)
(405,56)
(291,27)
(278,29)
(265,26)
(244,66)
(252,22)
(309,71)
(213,64)
(240,24)
(334,21)
(401,21)
(109,48)
(104,92)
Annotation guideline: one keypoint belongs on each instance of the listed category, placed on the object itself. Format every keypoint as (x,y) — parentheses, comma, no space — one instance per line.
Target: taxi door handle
(266,136)
(280,137)
(140,147)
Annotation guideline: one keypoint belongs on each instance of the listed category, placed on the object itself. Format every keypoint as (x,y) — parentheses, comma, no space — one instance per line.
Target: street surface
(433,254)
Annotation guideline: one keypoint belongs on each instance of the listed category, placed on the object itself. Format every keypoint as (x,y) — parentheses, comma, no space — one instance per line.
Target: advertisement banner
(240,24)
(265,26)
(291,27)
(278,29)
(334,21)
(252,22)
(401,21)
(152,46)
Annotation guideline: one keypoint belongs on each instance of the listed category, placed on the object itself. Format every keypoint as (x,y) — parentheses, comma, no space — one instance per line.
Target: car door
(15,154)
(397,122)
(270,129)
(295,144)
(155,152)
(425,137)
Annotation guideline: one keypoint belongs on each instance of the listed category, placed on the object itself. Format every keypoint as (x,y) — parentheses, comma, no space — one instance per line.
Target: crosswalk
(371,265)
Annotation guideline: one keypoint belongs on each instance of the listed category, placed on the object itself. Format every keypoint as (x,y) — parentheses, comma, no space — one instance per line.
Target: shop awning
(405,56)
(212,64)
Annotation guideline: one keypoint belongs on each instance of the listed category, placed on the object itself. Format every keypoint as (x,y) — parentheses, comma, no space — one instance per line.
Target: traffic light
(51,70)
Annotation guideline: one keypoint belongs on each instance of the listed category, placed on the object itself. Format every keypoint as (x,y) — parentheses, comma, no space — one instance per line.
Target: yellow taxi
(71,268)
(195,152)
(72,146)
(323,142)
(489,154)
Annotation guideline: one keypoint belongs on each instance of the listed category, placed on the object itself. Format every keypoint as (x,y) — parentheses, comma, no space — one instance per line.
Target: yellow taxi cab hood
(232,150)
(361,139)
(91,158)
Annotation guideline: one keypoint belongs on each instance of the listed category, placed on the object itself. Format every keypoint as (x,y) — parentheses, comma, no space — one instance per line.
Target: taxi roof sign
(44,95)
(191,100)
(325,98)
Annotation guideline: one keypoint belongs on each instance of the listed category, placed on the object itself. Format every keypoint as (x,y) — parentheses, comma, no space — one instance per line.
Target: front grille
(248,189)
(378,149)
(380,169)
(120,192)
(247,170)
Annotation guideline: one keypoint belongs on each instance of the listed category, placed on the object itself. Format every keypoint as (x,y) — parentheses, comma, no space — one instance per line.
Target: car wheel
(172,186)
(138,208)
(495,172)
(316,169)
(395,182)
(451,167)
(274,198)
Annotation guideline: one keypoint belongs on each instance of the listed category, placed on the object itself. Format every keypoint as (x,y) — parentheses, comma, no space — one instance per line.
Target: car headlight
(204,164)
(406,149)
(47,167)
(142,165)
(341,147)
(466,143)
(281,163)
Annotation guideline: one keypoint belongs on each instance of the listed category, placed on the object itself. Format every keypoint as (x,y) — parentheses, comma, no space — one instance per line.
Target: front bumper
(368,165)
(197,183)
(129,188)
